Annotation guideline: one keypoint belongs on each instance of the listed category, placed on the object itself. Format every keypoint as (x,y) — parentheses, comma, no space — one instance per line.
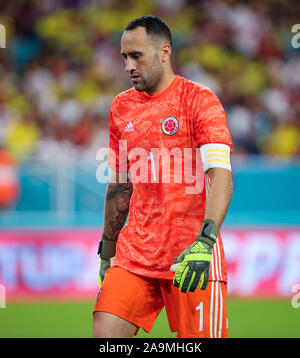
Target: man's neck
(163,83)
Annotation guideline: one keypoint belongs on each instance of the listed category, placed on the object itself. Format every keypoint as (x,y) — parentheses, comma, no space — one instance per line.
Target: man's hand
(192,266)
(104,266)
(106,250)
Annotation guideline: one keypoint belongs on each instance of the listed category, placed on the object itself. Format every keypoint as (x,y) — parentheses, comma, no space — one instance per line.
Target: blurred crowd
(62,68)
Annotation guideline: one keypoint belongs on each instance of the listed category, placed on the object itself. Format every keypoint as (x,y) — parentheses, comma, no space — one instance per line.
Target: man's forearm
(117,202)
(219,195)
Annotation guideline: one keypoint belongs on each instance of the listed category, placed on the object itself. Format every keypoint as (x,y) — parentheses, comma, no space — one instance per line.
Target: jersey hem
(157,274)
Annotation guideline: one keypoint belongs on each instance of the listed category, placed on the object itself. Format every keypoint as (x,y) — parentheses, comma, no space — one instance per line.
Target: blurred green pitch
(247,318)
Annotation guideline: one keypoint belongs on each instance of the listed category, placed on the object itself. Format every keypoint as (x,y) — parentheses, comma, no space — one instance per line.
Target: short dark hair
(153,25)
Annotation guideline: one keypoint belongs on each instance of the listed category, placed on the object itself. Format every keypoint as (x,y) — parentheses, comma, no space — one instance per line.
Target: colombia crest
(170,125)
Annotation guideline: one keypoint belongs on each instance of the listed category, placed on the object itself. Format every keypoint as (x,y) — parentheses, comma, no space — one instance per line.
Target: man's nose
(130,65)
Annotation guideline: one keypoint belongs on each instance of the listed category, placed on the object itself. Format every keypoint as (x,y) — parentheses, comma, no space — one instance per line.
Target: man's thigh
(199,314)
(133,298)
(107,325)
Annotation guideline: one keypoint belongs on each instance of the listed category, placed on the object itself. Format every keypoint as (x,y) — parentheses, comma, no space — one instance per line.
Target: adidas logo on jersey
(129,128)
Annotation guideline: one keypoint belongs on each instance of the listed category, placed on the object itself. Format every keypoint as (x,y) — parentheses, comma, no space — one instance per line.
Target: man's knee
(107,325)
(99,330)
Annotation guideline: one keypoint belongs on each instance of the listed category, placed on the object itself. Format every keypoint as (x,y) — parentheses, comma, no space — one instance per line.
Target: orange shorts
(139,300)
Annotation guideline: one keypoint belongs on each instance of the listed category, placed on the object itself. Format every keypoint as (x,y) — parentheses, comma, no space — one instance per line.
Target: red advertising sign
(262,262)
(64,263)
(49,264)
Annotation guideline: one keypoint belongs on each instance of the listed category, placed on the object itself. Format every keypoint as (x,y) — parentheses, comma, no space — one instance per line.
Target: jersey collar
(161,93)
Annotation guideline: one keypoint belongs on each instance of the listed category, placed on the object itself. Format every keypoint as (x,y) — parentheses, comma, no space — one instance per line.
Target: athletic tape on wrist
(107,247)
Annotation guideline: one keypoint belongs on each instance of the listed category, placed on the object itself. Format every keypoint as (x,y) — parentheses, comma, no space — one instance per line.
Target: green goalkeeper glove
(106,250)
(192,266)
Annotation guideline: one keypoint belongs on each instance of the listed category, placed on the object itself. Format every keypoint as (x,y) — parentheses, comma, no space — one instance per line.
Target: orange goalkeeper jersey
(156,138)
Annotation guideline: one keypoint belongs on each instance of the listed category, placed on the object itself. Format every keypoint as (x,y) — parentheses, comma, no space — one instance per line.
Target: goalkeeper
(170,252)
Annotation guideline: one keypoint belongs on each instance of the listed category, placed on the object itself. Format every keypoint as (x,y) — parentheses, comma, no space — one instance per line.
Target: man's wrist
(209,232)
(106,248)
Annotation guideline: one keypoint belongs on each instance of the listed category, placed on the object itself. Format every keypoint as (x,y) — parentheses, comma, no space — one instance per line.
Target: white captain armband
(215,155)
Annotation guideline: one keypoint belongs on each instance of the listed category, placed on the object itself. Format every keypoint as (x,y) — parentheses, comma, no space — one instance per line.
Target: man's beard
(152,79)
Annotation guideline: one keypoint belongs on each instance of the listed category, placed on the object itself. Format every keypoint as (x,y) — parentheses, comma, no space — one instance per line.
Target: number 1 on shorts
(200,308)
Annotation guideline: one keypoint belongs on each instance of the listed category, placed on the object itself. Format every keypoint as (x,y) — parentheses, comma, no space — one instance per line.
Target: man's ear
(165,53)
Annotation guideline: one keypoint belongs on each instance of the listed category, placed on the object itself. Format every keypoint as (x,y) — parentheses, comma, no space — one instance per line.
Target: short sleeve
(210,123)
(117,159)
